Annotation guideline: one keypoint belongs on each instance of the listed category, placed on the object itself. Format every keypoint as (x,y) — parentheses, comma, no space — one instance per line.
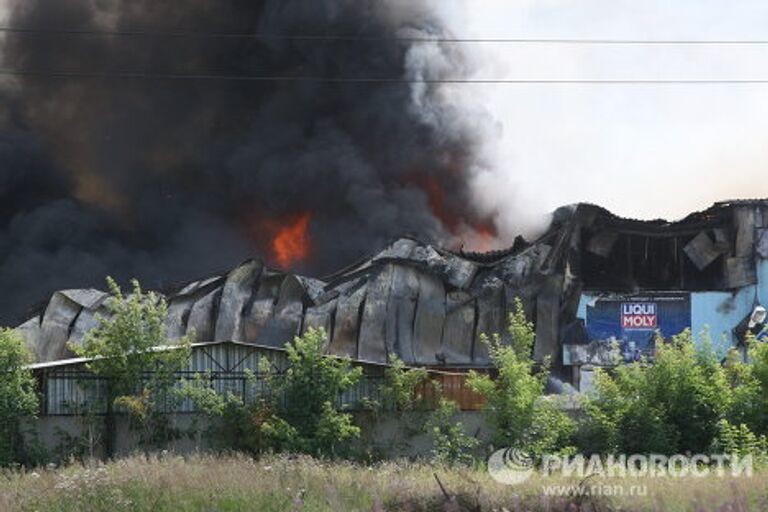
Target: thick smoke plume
(167,180)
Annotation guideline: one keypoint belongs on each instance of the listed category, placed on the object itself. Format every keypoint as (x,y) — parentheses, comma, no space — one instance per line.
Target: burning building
(598,287)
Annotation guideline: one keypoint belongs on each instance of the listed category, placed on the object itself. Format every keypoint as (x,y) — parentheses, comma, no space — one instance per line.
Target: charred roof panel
(429,305)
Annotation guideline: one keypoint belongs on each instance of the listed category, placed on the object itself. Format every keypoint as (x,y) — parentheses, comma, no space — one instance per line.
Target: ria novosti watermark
(510,466)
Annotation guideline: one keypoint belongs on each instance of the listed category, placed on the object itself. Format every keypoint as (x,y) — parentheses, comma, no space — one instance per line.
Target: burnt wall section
(710,250)
(411,300)
(429,306)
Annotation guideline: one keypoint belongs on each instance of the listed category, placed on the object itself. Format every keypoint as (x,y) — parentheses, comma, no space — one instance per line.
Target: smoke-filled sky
(168,181)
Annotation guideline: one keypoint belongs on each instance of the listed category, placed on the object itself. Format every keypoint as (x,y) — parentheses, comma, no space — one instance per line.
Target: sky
(643,151)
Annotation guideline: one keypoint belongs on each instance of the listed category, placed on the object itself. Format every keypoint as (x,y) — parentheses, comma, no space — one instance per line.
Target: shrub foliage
(126,348)
(515,409)
(686,400)
(18,397)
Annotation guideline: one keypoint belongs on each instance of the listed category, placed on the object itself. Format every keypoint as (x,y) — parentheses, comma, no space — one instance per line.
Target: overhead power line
(358,38)
(363,80)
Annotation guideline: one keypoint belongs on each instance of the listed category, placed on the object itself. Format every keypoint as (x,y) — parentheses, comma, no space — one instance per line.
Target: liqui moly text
(639,316)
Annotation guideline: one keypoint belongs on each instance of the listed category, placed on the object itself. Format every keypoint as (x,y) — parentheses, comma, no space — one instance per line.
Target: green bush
(399,391)
(620,418)
(739,440)
(302,412)
(450,444)
(18,396)
(515,407)
(140,378)
(754,394)
(676,404)
(310,393)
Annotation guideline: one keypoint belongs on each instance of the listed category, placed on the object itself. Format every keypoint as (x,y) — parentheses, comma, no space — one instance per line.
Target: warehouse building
(598,287)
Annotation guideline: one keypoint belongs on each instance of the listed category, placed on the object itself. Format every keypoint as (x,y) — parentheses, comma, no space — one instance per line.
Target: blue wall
(718,312)
(762,281)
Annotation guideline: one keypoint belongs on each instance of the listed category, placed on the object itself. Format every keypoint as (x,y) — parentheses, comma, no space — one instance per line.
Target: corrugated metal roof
(81,360)
(60,362)
(736,202)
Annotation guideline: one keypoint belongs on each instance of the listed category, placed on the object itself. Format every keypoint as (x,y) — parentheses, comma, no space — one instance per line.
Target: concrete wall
(387,436)
(402,436)
(51,430)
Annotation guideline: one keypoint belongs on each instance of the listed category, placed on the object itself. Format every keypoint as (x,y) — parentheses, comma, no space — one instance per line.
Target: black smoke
(169,179)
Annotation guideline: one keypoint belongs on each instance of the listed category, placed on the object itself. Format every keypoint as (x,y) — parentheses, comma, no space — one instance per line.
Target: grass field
(233,483)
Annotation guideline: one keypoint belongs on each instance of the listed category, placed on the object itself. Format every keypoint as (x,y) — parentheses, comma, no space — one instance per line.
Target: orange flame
(436,199)
(484,238)
(471,233)
(291,243)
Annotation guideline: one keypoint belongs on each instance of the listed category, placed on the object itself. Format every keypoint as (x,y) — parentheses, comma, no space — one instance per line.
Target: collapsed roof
(429,306)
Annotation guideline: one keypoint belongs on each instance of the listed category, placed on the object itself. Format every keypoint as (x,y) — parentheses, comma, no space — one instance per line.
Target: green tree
(130,348)
(301,412)
(310,392)
(18,395)
(515,408)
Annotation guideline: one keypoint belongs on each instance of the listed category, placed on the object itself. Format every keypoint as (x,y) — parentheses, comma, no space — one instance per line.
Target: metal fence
(229,368)
(76,393)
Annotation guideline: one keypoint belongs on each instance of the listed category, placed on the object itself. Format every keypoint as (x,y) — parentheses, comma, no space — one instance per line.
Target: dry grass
(211,483)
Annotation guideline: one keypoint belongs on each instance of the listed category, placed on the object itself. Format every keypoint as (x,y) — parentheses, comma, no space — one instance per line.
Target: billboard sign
(634,320)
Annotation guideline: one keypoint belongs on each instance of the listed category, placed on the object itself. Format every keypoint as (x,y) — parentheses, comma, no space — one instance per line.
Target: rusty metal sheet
(237,290)
(374,326)
(548,318)
(54,329)
(456,271)
(701,250)
(454,387)
(401,312)
(740,272)
(459,329)
(761,245)
(201,317)
(30,332)
(430,317)
(257,318)
(602,243)
(399,249)
(320,317)
(289,310)
(490,321)
(347,323)
(176,319)
(87,298)
(744,218)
